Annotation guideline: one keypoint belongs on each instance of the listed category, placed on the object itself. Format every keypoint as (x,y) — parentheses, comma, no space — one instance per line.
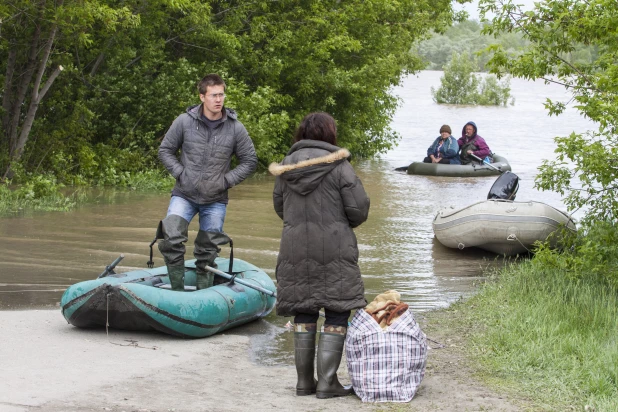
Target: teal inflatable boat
(142,300)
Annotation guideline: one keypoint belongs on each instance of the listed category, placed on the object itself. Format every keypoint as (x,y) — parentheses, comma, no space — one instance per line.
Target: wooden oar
(241,281)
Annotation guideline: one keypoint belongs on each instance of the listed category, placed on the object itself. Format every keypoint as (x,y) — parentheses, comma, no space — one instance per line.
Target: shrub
(459,85)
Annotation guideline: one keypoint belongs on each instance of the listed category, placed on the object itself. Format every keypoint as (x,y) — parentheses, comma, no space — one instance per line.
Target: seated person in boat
(471,143)
(444,149)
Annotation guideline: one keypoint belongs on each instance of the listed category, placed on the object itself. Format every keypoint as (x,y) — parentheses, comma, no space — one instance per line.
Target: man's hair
(211,79)
(317,126)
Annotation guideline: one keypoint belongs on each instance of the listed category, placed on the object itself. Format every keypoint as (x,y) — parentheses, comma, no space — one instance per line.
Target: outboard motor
(505,187)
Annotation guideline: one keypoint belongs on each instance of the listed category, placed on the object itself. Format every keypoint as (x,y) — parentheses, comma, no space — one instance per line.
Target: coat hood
(463,130)
(306,164)
(196,110)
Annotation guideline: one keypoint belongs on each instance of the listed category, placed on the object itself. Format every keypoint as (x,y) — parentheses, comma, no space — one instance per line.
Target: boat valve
(460,246)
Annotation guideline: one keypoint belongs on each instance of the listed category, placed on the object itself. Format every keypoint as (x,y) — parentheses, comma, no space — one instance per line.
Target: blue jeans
(212,215)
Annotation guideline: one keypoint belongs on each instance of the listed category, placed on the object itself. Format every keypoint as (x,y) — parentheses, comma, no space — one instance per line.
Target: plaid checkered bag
(385,365)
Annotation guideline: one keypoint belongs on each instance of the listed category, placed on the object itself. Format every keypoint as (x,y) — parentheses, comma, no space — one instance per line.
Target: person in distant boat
(320,200)
(207,136)
(444,149)
(471,143)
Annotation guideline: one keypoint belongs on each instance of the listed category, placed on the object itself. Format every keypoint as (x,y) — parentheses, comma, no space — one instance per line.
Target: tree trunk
(18,136)
(8,95)
(22,89)
(29,120)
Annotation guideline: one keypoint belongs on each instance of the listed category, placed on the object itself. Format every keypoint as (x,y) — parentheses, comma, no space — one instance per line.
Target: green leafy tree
(586,167)
(37,38)
(459,85)
(467,37)
(132,67)
(493,92)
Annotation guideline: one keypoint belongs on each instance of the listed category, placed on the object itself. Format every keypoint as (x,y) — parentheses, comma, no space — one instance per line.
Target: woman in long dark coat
(320,199)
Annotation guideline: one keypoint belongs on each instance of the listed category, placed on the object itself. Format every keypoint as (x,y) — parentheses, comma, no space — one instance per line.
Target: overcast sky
(472,8)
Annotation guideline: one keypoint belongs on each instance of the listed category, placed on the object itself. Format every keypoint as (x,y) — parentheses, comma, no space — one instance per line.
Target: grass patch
(543,334)
(43,193)
(149,180)
(39,194)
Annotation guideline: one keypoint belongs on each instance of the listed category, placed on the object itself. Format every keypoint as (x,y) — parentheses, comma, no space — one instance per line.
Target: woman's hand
(470,151)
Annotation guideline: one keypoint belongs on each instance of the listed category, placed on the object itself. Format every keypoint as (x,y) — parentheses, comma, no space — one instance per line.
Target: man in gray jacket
(207,135)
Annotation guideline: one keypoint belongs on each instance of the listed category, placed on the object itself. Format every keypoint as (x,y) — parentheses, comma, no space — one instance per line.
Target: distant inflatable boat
(142,300)
(470,170)
(500,226)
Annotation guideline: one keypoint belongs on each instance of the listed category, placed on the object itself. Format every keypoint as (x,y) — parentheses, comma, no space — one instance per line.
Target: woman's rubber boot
(330,350)
(177,276)
(304,357)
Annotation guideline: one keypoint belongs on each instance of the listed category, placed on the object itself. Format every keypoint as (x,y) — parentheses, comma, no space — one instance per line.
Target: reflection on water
(44,253)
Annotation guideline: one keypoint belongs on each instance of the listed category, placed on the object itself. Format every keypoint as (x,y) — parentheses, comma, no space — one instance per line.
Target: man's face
(469,130)
(213,101)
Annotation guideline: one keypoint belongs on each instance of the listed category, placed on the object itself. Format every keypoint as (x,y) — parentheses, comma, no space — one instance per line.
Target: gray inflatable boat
(500,226)
(475,169)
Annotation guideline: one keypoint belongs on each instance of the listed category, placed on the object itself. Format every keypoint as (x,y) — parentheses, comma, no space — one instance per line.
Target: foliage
(551,336)
(494,93)
(467,37)
(591,253)
(132,67)
(586,167)
(34,48)
(459,85)
(548,328)
(41,193)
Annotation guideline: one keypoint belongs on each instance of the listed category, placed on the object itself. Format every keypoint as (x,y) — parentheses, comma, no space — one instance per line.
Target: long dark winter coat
(320,199)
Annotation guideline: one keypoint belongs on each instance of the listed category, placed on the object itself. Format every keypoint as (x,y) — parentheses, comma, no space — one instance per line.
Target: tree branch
(25,81)
(43,61)
(7,96)
(29,120)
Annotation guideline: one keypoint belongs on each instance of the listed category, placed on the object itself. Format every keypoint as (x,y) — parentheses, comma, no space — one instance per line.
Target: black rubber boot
(174,230)
(203,279)
(330,350)
(205,252)
(304,358)
(177,276)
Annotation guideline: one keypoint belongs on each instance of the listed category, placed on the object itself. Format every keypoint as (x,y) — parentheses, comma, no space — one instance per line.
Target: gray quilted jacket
(203,172)
(320,199)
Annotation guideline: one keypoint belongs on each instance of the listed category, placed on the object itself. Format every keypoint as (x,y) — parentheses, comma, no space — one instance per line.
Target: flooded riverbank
(44,253)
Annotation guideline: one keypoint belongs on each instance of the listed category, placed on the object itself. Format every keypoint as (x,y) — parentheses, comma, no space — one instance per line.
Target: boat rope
(107,317)
(513,236)
(132,342)
(441,345)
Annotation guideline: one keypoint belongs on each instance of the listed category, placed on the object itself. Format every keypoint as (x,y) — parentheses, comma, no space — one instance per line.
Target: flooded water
(44,253)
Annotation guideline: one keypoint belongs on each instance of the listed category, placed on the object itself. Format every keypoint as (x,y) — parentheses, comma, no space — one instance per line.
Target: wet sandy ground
(49,365)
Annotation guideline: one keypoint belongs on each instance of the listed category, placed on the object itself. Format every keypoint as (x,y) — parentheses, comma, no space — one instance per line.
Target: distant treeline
(467,37)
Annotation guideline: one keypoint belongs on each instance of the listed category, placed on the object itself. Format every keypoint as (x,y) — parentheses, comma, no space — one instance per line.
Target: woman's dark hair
(317,126)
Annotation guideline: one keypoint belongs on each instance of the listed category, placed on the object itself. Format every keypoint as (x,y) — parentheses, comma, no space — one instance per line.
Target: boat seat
(168,286)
